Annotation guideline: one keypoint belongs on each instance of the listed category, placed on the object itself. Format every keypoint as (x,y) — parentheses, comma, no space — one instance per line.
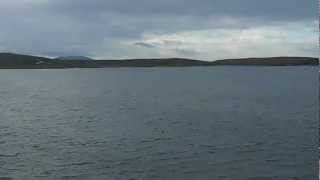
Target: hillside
(18,61)
(83,58)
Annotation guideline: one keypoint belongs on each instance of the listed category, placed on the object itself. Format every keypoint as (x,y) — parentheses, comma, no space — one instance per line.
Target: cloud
(274,9)
(295,39)
(142,44)
(207,29)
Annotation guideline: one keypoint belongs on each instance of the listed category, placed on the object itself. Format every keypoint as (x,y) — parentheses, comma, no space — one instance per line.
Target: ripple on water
(193,123)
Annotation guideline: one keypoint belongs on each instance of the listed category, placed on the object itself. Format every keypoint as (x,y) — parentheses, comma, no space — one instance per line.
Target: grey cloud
(187,53)
(172,42)
(162,43)
(147,45)
(275,9)
(98,27)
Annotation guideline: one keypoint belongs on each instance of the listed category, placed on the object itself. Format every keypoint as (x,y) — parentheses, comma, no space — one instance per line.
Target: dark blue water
(201,123)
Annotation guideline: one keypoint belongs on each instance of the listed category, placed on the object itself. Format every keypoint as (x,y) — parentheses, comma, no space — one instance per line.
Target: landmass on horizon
(20,61)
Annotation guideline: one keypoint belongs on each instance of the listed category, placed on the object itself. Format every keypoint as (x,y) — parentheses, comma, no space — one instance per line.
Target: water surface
(236,123)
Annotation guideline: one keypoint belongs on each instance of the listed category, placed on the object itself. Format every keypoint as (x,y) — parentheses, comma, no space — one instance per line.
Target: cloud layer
(206,29)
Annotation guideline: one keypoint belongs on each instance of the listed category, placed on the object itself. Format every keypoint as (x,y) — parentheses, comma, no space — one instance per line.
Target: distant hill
(10,60)
(270,61)
(18,61)
(83,58)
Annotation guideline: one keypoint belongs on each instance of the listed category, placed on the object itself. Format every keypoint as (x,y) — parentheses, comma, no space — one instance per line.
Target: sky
(199,29)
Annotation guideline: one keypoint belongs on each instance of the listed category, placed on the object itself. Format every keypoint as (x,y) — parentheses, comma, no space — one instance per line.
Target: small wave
(9,155)
(6,178)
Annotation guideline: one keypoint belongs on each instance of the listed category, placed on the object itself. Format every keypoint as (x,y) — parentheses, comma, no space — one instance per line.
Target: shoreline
(118,67)
(18,61)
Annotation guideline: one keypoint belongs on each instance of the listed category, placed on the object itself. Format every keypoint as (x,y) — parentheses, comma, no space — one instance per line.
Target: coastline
(17,61)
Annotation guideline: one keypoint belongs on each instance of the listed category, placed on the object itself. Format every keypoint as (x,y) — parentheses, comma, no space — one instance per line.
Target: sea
(161,123)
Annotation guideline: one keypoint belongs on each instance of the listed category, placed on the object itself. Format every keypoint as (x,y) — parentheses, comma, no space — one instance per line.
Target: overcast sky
(202,29)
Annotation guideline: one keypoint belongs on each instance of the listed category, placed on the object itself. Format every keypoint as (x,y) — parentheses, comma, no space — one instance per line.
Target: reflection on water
(253,123)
